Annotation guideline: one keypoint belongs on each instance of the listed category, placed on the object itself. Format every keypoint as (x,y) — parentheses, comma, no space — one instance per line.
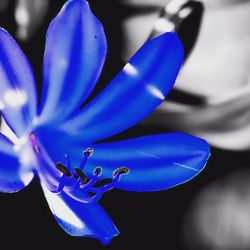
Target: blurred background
(211,99)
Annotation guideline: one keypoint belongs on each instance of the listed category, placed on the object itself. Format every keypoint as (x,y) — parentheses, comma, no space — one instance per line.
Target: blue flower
(60,143)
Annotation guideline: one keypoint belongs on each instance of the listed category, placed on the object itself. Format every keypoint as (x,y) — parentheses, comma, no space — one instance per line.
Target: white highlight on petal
(35,121)
(148,154)
(155,91)
(61,210)
(130,69)
(185,166)
(26,157)
(163,25)
(63,63)
(15,98)
(19,143)
(26,177)
(5,130)
(2,106)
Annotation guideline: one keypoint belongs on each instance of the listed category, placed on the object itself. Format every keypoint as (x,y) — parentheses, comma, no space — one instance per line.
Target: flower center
(73,179)
(93,186)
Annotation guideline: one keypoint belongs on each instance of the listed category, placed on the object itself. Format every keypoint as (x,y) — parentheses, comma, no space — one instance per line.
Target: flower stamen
(94,186)
(80,174)
(86,154)
(63,169)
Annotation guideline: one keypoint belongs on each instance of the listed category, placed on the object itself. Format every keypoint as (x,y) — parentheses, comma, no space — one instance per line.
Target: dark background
(145,220)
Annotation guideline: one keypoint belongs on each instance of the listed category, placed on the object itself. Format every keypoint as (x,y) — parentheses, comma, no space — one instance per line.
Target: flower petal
(74,56)
(135,92)
(155,162)
(79,219)
(13,177)
(18,98)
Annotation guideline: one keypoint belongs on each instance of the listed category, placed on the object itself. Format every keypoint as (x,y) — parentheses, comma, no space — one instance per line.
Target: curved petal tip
(79,219)
(155,162)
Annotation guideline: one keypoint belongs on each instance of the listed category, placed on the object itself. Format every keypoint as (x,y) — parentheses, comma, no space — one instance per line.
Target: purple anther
(65,175)
(109,186)
(91,181)
(63,169)
(120,171)
(86,154)
(89,152)
(99,191)
(97,171)
(94,187)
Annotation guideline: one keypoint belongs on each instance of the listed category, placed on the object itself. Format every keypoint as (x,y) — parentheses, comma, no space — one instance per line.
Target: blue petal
(135,92)
(156,162)
(18,98)
(74,56)
(79,219)
(13,177)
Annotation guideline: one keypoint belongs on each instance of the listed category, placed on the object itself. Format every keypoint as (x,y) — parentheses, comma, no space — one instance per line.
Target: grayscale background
(211,99)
